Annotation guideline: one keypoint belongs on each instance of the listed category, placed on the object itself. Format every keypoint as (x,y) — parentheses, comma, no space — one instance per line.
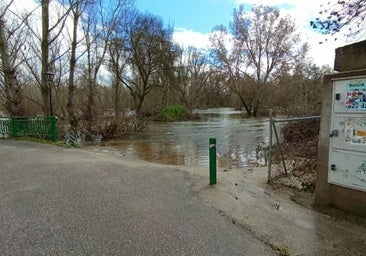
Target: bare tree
(49,36)
(12,37)
(118,56)
(77,10)
(118,63)
(337,15)
(193,74)
(151,54)
(268,39)
(42,48)
(231,64)
(299,92)
(263,43)
(98,25)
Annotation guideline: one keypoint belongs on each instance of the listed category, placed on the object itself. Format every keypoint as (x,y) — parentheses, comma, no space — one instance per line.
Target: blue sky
(198,15)
(193,20)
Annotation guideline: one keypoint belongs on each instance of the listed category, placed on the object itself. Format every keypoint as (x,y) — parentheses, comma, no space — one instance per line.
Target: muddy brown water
(186,143)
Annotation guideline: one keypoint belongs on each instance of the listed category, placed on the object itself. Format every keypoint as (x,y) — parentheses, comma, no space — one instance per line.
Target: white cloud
(186,37)
(301,11)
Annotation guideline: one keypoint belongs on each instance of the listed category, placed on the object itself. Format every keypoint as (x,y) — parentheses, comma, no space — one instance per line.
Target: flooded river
(186,143)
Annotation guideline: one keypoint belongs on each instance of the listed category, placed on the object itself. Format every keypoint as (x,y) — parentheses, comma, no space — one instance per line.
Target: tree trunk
(71,86)
(44,58)
(13,95)
(117,107)
(247,108)
(139,105)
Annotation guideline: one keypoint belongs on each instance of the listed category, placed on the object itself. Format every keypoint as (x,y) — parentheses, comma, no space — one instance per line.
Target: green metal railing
(38,126)
(4,127)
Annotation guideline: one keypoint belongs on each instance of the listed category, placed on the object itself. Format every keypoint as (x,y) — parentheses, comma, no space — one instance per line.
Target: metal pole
(280,148)
(270,147)
(50,93)
(212,155)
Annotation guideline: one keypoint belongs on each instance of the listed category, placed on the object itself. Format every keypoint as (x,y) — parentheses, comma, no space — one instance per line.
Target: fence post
(14,126)
(212,155)
(270,147)
(54,128)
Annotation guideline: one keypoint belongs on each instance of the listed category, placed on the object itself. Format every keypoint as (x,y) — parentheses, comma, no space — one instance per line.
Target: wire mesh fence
(293,150)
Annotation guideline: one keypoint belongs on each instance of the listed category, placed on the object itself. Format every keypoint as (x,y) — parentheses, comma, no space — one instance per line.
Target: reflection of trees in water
(158,152)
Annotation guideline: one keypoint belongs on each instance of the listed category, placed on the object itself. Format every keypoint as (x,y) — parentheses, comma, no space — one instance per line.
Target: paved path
(57,201)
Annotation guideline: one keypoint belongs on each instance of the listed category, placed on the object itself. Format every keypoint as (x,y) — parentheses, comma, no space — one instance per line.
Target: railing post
(54,128)
(212,155)
(14,126)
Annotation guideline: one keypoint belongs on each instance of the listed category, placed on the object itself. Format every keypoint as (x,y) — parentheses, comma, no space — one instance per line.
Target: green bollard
(212,145)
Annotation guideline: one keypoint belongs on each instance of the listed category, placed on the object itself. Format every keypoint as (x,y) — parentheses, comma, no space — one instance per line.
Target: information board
(347,156)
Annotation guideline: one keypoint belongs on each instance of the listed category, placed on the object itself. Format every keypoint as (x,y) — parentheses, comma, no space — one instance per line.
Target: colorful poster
(355,95)
(355,131)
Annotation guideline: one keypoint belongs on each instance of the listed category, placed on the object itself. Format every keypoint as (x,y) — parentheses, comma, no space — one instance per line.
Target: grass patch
(174,113)
(284,250)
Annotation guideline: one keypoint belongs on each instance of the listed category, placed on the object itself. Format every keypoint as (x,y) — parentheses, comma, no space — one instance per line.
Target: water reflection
(186,143)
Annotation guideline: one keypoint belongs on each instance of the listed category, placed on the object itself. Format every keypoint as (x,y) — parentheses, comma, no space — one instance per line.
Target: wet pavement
(57,201)
(274,215)
(95,201)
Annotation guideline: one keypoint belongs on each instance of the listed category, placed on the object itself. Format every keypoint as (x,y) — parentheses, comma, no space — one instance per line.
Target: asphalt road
(57,201)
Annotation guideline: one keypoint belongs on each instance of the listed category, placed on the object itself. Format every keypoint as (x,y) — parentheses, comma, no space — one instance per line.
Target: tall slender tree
(50,34)
(118,65)
(98,24)
(77,10)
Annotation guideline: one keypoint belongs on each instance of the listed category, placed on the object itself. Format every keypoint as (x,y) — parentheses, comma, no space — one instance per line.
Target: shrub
(174,113)
(111,127)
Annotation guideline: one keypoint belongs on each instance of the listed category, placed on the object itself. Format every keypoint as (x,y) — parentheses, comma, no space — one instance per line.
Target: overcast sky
(193,20)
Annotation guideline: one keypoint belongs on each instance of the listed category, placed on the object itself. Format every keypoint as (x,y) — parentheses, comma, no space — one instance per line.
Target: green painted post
(14,127)
(212,154)
(54,128)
